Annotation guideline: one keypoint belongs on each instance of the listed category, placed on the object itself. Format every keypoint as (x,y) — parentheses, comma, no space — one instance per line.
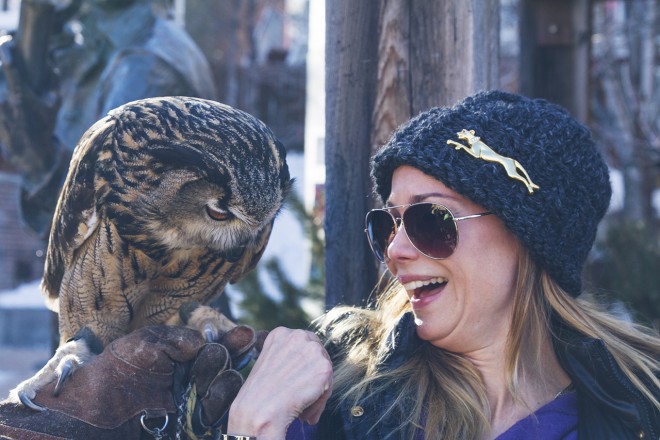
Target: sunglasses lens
(431,228)
(380,231)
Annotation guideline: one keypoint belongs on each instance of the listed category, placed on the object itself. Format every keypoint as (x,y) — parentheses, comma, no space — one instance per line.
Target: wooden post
(387,61)
(454,50)
(432,54)
(351,45)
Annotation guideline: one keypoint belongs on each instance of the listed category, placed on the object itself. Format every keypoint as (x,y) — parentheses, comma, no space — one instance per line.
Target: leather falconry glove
(215,381)
(136,388)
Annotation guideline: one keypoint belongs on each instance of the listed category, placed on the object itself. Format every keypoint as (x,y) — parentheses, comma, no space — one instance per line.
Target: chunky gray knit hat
(526,160)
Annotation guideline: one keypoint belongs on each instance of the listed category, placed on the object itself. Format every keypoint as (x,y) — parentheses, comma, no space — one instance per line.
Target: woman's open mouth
(421,291)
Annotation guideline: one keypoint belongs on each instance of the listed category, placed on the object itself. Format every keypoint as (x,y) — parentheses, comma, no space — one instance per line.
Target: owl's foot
(207,320)
(68,358)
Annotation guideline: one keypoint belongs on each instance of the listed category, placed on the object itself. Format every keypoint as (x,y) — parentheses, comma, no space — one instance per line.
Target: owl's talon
(65,369)
(25,400)
(210,332)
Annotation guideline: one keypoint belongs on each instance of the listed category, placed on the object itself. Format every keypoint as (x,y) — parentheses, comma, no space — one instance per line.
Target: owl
(166,201)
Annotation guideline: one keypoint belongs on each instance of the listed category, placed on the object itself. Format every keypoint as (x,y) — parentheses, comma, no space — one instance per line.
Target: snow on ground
(25,296)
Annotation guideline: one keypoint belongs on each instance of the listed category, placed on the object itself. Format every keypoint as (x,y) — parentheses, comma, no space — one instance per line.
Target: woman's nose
(400,247)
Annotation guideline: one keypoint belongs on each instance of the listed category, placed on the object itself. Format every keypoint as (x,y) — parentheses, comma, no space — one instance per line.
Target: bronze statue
(65,68)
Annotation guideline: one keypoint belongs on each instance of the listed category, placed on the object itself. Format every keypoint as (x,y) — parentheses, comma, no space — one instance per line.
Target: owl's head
(186,173)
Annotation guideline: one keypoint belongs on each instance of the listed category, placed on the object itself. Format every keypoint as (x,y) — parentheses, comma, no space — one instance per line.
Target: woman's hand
(291,379)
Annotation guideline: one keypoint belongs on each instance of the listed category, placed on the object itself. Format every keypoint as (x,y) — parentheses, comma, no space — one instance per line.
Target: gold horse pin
(482,151)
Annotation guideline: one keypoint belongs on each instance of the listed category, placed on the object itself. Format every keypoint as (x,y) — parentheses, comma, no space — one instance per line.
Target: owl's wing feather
(76,217)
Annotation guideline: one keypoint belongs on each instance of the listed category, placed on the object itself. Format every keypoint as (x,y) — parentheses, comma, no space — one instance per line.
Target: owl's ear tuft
(287,185)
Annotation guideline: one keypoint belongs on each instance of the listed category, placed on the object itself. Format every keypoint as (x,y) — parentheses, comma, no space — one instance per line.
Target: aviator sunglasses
(431,228)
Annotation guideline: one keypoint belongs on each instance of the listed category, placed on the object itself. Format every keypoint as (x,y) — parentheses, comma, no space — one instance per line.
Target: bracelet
(237,437)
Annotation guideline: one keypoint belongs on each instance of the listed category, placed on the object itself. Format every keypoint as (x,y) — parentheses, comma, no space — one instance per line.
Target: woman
(484,337)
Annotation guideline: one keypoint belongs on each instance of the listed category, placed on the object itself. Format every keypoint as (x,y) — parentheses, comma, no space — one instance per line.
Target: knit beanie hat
(537,169)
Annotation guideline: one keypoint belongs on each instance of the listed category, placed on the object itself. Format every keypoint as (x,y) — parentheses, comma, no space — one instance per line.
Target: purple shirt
(300,431)
(556,420)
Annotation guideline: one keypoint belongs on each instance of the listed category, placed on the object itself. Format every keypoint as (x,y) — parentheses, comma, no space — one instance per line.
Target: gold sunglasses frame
(398,224)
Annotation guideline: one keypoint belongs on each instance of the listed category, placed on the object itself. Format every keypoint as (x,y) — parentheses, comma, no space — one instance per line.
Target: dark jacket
(609,406)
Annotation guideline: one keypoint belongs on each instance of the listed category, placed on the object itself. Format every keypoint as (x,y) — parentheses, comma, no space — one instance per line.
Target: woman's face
(467,306)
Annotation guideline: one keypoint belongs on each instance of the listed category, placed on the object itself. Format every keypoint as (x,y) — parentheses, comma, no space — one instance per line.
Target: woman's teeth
(411,286)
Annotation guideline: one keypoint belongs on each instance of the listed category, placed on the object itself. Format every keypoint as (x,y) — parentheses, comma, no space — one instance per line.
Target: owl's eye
(217,214)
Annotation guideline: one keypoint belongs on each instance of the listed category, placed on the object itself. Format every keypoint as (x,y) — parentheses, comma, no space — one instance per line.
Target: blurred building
(257,51)
(21,250)
(9,14)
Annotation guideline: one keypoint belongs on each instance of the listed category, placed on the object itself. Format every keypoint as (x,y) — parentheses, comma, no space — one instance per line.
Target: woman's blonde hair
(445,390)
